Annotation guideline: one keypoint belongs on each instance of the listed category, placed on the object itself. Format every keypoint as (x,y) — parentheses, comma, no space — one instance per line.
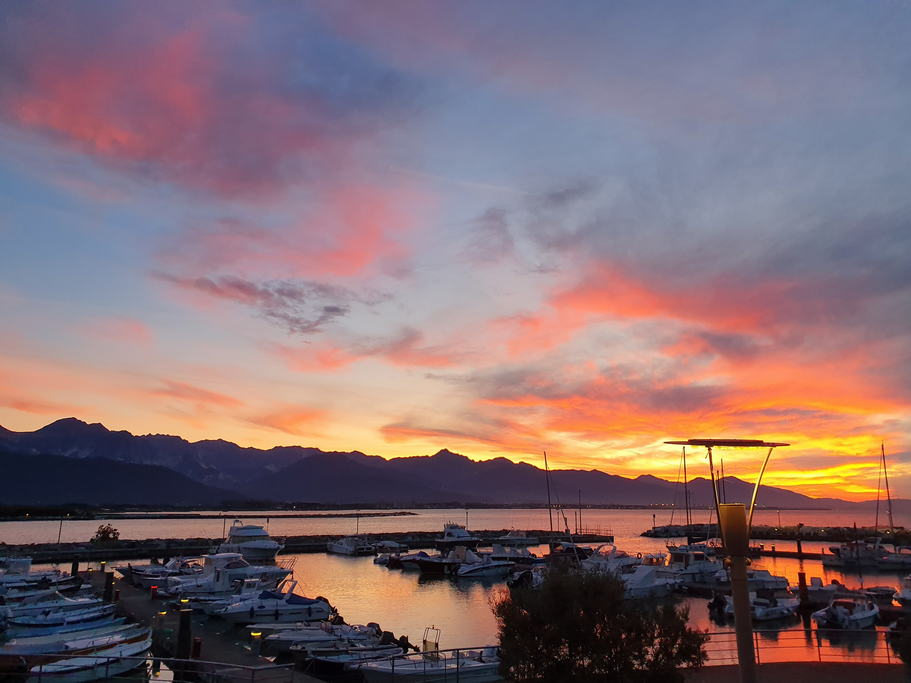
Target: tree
(576,626)
(106,534)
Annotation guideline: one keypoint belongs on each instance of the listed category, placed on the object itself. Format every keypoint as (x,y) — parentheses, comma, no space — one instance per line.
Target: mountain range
(70,458)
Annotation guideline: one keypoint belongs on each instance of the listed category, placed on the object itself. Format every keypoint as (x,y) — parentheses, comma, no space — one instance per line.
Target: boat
(520,556)
(853,555)
(818,593)
(324,633)
(848,612)
(475,567)
(51,601)
(111,662)
(56,622)
(351,545)
(456,535)
(390,547)
(569,551)
(219,574)
(208,604)
(467,666)
(279,607)
(690,569)
(251,541)
(645,583)
(329,662)
(757,579)
(899,559)
(765,606)
(16,574)
(607,559)
(157,576)
(433,666)
(903,595)
(408,563)
(517,539)
(57,642)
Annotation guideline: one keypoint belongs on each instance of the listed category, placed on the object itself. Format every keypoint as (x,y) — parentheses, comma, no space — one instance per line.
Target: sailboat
(560,549)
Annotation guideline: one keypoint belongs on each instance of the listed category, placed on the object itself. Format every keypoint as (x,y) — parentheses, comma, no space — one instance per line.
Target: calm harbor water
(407,603)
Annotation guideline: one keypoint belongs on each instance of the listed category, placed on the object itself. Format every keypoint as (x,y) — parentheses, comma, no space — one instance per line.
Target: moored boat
(270,606)
(251,541)
(848,612)
(110,662)
(456,535)
(351,545)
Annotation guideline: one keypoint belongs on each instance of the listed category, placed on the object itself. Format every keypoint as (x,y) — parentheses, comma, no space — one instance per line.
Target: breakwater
(188,547)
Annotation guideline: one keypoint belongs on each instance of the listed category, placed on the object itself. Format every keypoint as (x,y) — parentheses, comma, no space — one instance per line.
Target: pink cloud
(119,329)
(202,400)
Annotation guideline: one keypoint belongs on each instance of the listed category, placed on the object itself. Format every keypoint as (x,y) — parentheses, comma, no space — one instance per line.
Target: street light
(735,537)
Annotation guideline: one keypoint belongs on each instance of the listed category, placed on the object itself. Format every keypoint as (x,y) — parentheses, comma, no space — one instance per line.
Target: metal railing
(822,645)
(164,670)
(439,666)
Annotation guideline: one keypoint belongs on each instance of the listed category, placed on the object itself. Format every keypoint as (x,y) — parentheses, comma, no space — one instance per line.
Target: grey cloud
(491,240)
(298,306)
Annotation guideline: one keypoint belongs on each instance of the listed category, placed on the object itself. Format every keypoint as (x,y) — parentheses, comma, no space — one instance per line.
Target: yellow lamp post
(735,537)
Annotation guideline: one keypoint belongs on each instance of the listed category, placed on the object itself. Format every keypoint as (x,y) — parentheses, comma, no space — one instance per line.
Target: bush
(106,534)
(576,626)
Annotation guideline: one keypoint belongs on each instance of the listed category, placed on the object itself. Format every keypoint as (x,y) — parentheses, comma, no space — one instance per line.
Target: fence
(99,667)
(806,645)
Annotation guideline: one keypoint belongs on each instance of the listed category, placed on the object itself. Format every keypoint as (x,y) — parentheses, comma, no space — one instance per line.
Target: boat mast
(686,494)
(550,508)
(882,448)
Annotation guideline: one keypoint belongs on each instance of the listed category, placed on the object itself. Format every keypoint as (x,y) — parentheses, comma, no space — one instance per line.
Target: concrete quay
(191,547)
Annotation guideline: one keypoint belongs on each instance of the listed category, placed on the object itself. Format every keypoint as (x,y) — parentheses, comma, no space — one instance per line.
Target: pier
(191,547)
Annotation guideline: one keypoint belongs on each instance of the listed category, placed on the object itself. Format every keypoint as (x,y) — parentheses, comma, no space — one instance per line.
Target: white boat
(113,662)
(328,663)
(848,613)
(757,579)
(17,574)
(903,594)
(767,607)
(606,558)
(520,556)
(468,666)
(51,601)
(645,583)
(456,535)
(517,539)
(690,569)
(324,633)
(279,607)
(818,593)
(351,545)
(219,576)
(157,576)
(475,567)
(899,559)
(853,554)
(390,547)
(55,622)
(56,642)
(208,604)
(251,541)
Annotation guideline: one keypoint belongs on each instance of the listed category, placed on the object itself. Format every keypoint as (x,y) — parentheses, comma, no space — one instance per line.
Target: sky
(500,228)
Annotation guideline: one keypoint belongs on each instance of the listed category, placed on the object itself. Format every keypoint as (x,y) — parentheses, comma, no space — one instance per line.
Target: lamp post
(735,537)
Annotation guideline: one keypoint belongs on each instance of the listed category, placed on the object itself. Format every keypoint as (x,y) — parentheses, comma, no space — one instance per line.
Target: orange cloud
(203,400)
(293,420)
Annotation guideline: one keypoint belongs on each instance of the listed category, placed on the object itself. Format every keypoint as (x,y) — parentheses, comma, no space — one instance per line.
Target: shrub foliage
(576,626)
(106,534)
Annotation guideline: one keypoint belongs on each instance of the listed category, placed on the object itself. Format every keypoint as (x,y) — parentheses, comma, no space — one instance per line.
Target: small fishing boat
(330,662)
(111,662)
(390,547)
(408,563)
(351,545)
(51,601)
(469,666)
(848,613)
(818,593)
(157,576)
(279,607)
(44,624)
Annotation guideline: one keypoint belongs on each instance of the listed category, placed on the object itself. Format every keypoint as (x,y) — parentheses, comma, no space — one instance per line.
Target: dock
(220,651)
(191,547)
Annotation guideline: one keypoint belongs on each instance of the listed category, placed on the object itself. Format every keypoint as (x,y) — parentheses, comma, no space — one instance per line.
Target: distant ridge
(310,475)
(58,480)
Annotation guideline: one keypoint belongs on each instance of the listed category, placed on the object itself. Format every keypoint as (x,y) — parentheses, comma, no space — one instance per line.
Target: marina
(405,603)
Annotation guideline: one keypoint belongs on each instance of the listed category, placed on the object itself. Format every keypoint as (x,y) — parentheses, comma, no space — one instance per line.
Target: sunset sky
(494,227)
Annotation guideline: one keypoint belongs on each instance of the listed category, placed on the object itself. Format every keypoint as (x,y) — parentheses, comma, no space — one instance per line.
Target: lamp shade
(733,519)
